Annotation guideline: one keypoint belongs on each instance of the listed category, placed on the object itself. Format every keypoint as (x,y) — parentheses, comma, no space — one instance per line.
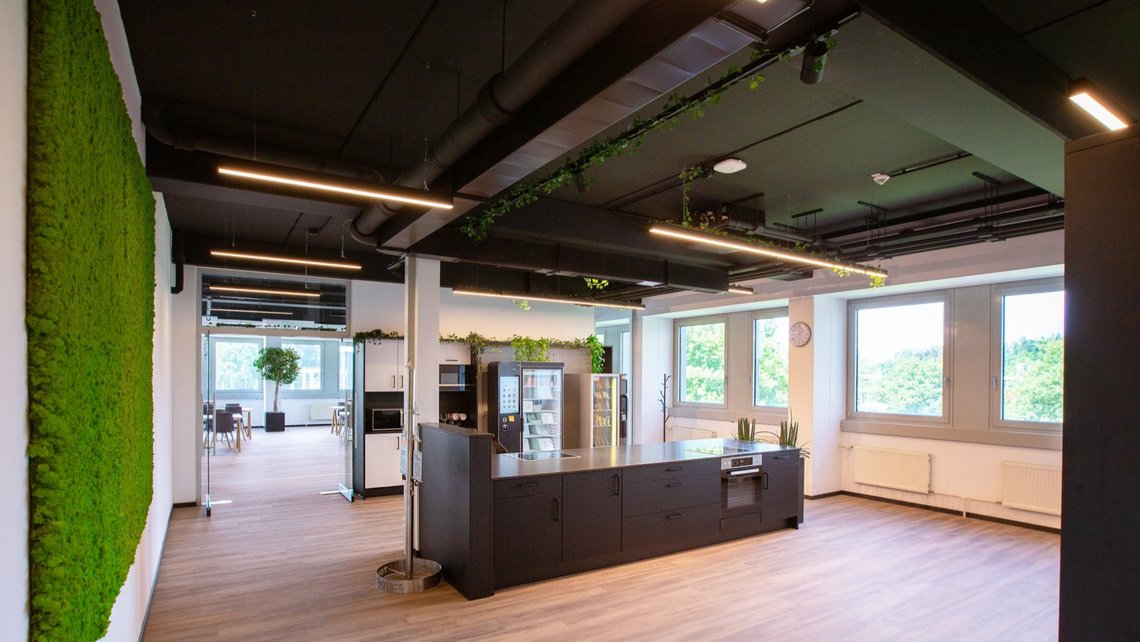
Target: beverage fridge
(525,405)
(603,408)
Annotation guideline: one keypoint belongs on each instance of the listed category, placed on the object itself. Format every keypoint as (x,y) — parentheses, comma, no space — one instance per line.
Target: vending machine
(525,405)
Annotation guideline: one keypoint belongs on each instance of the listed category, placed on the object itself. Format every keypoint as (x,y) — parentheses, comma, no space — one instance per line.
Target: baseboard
(380,492)
(950,511)
(184,505)
(824,495)
(157,570)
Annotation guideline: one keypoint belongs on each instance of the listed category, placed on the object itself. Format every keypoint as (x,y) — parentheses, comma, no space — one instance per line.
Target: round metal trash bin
(391,577)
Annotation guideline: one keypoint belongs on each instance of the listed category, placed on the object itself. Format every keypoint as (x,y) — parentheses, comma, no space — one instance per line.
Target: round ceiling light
(730,166)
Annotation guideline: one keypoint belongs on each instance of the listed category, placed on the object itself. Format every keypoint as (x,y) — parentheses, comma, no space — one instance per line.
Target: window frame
(854,306)
(680,324)
(236,392)
(758,315)
(997,352)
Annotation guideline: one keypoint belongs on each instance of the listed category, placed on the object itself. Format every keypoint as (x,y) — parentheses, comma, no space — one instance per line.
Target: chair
(243,425)
(224,425)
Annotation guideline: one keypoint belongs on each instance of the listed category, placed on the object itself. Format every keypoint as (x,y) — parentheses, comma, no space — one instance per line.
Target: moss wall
(90,315)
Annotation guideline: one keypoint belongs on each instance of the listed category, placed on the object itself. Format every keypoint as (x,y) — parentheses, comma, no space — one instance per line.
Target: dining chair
(242,424)
(223,425)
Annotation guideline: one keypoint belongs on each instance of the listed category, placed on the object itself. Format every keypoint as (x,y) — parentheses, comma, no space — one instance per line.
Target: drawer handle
(556,511)
(672,484)
(780,456)
(527,484)
(673,516)
(617,484)
(674,470)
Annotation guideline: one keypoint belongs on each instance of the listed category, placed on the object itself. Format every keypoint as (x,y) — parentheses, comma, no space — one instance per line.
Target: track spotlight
(815,59)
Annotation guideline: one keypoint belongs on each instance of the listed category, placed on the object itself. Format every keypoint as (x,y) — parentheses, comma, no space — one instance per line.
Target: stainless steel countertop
(507,467)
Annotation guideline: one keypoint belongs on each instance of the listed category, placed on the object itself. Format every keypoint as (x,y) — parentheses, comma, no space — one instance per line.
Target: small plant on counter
(745,429)
(789,436)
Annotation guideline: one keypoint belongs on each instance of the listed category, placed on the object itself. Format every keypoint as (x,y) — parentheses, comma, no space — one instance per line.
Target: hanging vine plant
(573,170)
(596,284)
(376,336)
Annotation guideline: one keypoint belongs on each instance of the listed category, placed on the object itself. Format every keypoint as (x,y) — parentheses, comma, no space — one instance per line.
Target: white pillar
(817,388)
(421,309)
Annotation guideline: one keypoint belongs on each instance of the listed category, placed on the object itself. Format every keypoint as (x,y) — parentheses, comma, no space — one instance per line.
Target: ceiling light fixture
(730,166)
(285,314)
(880,178)
(319,182)
(739,289)
(550,299)
(235,288)
(1082,94)
(786,255)
(269,258)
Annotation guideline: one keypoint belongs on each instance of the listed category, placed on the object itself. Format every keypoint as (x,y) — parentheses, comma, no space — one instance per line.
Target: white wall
(13,339)
(129,611)
(186,424)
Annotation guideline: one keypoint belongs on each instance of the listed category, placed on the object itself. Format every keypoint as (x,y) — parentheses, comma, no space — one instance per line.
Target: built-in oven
(386,420)
(741,484)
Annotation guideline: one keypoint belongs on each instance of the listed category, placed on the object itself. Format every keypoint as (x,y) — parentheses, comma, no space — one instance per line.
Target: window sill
(997,437)
(766,417)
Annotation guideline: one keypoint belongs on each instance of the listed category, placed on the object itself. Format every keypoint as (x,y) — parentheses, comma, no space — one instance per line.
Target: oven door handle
(742,472)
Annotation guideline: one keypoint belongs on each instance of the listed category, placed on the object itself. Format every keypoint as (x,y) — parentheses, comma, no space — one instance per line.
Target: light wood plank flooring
(285,563)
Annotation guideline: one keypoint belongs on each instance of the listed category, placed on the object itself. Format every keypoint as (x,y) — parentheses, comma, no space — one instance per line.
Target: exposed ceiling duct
(568,38)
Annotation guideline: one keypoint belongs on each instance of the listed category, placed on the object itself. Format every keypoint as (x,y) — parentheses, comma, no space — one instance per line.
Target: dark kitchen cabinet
(528,529)
(591,525)
(781,498)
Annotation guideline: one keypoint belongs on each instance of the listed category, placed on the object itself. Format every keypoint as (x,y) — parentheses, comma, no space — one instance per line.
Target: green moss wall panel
(90,317)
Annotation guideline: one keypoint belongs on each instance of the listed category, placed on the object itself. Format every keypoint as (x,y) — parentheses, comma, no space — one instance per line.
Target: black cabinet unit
(780,505)
(528,529)
(591,518)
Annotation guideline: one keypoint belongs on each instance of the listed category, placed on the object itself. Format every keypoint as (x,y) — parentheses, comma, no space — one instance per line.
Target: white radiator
(901,469)
(1031,487)
(681,433)
(320,411)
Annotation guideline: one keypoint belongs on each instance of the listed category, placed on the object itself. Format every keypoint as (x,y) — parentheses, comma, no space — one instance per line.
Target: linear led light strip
(233,288)
(708,239)
(1087,102)
(739,289)
(269,258)
(530,297)
(284,314)
(331,187)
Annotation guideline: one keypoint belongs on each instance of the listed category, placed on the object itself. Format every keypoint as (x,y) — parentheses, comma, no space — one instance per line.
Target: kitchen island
(494,521)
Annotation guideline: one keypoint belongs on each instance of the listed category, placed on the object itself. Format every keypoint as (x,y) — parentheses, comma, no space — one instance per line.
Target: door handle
(398,437)
(617,484)
(393,381)
(764,483)
(556,511)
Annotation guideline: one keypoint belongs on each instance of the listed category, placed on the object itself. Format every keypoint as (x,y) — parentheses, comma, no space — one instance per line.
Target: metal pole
(409,467)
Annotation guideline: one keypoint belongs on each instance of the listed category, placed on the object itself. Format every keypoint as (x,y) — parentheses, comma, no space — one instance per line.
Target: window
(310,376)
(770,360)
(900,356)
(1029,373)
(700,350)
(233,365)
(345,364)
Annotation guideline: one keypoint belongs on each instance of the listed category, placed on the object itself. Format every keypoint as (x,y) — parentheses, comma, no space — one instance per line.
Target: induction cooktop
(721,450)
(536,455)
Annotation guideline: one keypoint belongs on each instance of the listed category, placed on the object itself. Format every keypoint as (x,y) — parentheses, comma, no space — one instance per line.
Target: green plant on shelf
(788,436)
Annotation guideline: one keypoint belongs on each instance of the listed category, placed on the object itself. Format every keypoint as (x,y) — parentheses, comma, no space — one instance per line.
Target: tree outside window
(770,371)
(310,377)
(899,359)
(233,365)
(701,363)
(1032,372)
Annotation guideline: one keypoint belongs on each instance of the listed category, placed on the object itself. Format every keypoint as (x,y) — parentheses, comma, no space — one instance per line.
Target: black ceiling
(963,104)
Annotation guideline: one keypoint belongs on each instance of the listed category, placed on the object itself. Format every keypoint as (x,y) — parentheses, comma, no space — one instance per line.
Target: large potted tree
(281,366)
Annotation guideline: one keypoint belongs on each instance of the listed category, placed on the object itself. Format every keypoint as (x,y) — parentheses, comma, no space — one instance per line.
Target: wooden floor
(283,562)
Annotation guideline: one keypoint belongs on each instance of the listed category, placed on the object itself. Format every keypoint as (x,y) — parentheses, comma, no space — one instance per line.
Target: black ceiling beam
(966,35)
(557,258)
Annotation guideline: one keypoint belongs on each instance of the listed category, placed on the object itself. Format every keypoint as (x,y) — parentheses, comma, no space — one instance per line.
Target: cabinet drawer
(668,494)
(523,486)
(654,472)
(670,531)
(781,458)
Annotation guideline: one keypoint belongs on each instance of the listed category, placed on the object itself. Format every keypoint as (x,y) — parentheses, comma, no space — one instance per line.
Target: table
(335,427)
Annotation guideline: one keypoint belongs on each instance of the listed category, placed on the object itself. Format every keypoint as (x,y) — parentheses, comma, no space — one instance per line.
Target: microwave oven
(387,419)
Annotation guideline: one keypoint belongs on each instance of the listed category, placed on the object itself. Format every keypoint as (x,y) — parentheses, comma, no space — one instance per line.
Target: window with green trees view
(770,367)
(311,359)
(233,365)
(899,364)
(1032,346)
(701,362)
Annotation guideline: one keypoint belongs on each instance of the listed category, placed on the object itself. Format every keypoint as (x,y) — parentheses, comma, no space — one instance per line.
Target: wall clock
(799,334)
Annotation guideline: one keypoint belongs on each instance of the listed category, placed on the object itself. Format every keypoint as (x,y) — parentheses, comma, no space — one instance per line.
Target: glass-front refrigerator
(602,408)
(525,405)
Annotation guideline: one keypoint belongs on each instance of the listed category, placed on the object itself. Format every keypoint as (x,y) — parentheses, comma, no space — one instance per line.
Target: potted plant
(281,366)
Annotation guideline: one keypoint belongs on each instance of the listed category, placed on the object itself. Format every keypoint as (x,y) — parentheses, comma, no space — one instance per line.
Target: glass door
(207,388)
(347,415)
(604,412)
(542,409)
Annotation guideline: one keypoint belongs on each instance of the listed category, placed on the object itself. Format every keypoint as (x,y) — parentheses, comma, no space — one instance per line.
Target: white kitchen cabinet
(384,365)
(382,460)
(454,352)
